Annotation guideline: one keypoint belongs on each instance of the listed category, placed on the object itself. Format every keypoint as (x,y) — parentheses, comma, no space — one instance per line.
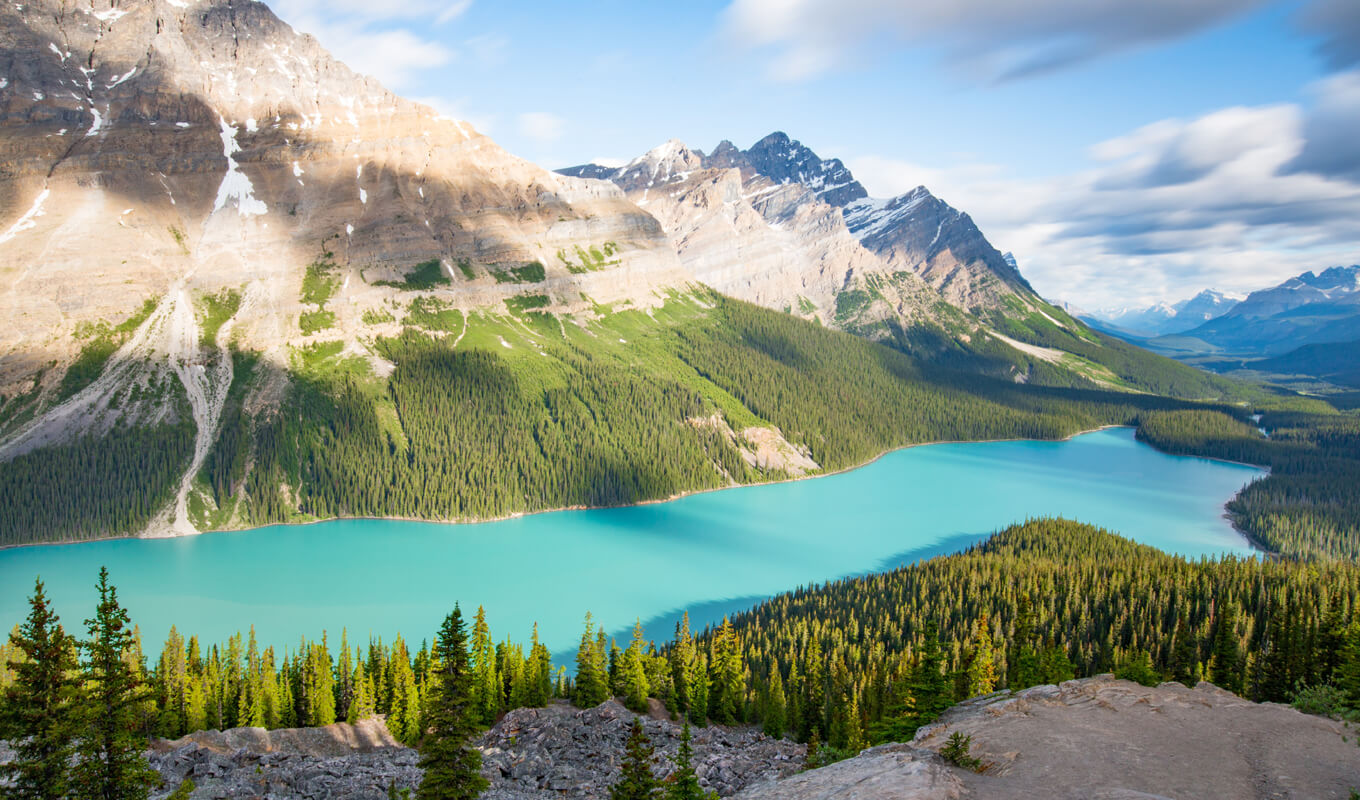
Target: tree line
(1309,505)
(839,666)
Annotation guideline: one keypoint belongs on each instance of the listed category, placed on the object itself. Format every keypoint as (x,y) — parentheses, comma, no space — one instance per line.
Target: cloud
(999,39)
(1222,200)
(1337,22)
(1332,130)
(369,37)
(541,126)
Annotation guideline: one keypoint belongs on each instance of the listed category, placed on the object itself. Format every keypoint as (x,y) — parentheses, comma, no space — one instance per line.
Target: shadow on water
(661,627)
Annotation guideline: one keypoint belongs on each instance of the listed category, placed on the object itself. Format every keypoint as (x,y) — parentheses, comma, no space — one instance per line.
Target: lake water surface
(708,553)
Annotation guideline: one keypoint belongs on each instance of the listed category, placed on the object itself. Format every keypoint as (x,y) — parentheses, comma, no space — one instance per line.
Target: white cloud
(1166,210)
(996,39)
(541,126)
(368,36)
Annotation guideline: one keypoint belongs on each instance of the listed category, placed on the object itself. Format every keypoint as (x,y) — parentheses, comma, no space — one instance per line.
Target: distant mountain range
(1164,318)
(1307,325)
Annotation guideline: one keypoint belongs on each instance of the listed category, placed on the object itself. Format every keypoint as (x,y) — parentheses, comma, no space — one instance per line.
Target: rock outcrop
(1098,738)
(531,754)
(1105,739)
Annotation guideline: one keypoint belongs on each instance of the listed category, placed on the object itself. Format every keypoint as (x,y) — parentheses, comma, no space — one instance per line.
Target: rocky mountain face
(1307,309)
(779,226)
(165,152)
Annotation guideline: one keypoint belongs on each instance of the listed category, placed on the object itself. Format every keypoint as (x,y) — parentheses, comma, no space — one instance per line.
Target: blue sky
(1126,150)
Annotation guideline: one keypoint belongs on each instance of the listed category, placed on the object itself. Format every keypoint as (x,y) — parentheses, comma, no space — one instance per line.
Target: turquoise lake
(709,553)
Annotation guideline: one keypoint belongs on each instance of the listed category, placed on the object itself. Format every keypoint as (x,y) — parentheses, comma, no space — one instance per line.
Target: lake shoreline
(1252,542)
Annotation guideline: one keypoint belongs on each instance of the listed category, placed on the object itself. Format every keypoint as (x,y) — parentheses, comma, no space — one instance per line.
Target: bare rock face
(888,772)
(764,226)
(778,226)
(163,149)
(1104,739)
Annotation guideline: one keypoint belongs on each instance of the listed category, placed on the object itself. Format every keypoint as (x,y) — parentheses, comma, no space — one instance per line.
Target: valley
(356,416)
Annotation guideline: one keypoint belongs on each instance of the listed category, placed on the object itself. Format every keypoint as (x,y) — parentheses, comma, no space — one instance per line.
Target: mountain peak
(786,160)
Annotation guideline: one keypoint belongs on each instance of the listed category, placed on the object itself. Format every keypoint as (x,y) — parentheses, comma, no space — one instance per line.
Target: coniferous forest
(475,432)
(844,664)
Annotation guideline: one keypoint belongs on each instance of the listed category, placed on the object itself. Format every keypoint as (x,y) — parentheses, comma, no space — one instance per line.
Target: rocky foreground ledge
(1093,739)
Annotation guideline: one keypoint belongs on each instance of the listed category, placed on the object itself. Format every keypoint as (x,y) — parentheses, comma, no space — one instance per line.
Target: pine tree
(1348,672)
(982,666)
(727,687)
(37,712)
(1022,659)
(172,683)
(452,768)
(814,691)
(1225,663)
(404,717)
(486,684)
(344,678)
(775,705)
(684,782)
(361,706)
(540,672)
(111,765)
(633,672)
(1054,665)
(681,663)
(1184,654)
(591,688)
(637,781)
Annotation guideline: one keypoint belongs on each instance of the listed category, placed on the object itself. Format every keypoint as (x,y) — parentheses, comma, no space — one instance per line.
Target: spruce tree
(1348,671)
(1184,654)
(539,672)
(452,768)
(591,688)
(681,659)
(361,705)
(982,666)
(37,713)
(633,672)
(111,764)
(636,781)
(684,782)
(776,713)
(1225,663)
(486,683)
(727,687)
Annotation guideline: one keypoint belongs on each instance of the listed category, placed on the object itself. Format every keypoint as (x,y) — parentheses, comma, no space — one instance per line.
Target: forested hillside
(485,415)
(843,664)
(1309,505)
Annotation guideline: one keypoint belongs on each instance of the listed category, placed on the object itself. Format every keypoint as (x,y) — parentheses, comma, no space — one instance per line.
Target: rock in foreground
(531,754)
(1102,739)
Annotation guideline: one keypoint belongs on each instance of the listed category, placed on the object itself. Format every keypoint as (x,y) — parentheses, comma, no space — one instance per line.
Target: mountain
(244,284)
(778,225)
(1335,362)
(781,227)
(1307,309)
(159,154)
(1166,318)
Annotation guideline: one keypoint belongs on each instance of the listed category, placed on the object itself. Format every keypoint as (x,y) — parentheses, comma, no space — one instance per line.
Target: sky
(1126,151)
